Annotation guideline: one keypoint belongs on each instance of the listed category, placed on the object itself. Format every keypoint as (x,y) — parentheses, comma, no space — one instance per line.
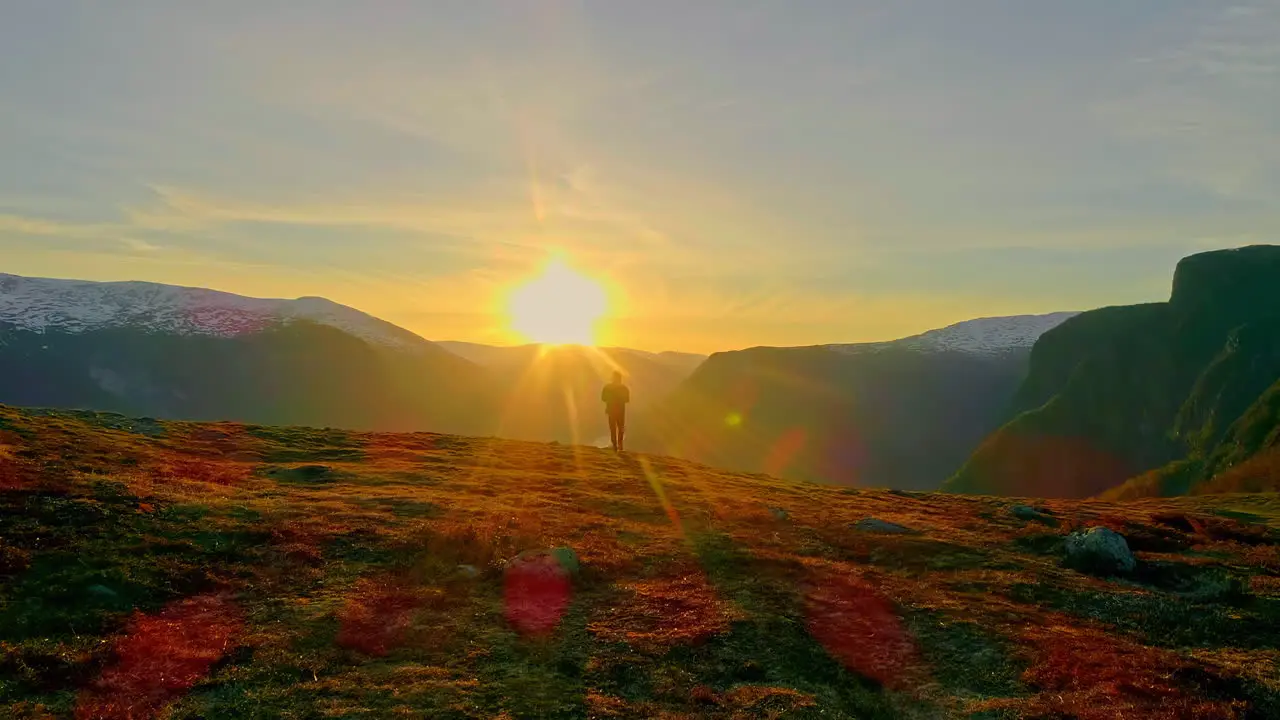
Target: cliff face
(1121,391)
(1228,284)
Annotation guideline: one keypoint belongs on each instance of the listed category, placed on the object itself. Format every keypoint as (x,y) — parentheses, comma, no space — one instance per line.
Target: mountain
(187,571)
(73,306)
(1175,392)
(506,355)
(191,353)
(903,413)
(553,392)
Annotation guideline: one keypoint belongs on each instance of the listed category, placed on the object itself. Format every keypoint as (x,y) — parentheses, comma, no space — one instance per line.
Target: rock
(102,591)
(1032,514)
(779,513)
(301,473)
(567,558)
(563,557)
(470,571)
(1099,551)
(870,524)
(311,472)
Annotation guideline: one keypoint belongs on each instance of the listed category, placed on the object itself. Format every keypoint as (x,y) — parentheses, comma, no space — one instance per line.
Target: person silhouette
(615,397)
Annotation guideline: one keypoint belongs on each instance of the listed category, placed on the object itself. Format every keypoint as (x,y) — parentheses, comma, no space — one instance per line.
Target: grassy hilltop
(184,570)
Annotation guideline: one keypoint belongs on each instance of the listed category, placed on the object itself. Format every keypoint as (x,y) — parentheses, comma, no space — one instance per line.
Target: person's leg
(613,430)
(622,429)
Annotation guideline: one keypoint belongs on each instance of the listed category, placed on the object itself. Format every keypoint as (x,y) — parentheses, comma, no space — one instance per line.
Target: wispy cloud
(1207,104)
(100,236)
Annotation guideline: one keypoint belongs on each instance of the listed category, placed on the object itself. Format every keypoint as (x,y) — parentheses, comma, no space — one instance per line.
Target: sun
(560,306)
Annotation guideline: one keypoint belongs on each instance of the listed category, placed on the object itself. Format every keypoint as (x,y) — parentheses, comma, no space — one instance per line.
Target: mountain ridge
(901,414)
(36,304)
(1143,394)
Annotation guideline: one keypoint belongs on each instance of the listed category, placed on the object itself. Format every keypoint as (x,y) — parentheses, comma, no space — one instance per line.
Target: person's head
(617,376)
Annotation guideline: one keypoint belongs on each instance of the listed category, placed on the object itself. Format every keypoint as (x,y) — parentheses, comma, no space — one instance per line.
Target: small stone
(1099,551)
(563,557)
(1032,514)
(470,571)
(567,558)
(312,472)
(870,524)
(102,591)
(779,513)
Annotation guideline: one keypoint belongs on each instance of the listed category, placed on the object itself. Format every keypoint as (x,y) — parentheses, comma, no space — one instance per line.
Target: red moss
(14,474)
(1088,674)
(11,476)
(378,616)
(859,627)
(663,612)
(177,467)
(160,658)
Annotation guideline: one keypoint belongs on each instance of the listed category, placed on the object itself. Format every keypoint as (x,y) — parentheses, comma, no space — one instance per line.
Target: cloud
(23,225)
(101,237)
(138,245)
(1207,104)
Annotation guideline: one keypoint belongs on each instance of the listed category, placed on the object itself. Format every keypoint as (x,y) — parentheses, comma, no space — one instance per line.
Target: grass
(180,570)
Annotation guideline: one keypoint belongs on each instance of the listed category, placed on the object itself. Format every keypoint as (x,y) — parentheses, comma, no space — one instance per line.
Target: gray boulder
(1099,551)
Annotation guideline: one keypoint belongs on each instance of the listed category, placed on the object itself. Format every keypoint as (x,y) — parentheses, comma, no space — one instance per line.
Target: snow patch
(984,336)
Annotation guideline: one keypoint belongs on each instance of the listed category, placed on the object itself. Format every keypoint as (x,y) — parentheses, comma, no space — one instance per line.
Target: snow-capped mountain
(983,336)
(44,304)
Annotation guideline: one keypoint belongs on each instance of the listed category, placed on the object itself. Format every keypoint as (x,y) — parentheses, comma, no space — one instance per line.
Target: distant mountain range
(903,413)
(507,355)
(147,349)
(45,305)
(155,350)
(900,414)
(1157,399)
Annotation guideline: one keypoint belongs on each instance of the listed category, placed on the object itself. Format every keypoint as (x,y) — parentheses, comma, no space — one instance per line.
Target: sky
(737,172)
